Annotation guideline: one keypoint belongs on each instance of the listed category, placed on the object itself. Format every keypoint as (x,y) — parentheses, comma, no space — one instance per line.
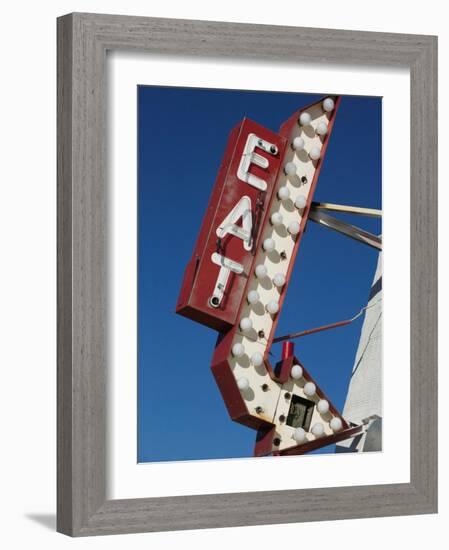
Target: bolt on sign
(237,279)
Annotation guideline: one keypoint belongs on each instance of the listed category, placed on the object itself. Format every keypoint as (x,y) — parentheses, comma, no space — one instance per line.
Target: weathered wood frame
(83,40)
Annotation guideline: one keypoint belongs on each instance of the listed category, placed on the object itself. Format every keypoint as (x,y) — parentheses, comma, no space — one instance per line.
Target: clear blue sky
(182,136)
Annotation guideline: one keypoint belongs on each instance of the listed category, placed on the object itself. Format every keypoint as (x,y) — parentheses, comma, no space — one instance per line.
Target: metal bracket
(358,210)
(317,216)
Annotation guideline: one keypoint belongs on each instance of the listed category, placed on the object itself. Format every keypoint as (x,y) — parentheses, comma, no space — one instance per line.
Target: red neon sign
(238,276)
(216,276)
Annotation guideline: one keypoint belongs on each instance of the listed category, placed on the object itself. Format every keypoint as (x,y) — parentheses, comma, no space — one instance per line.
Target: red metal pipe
(320,329)
(288,350)
(311,331)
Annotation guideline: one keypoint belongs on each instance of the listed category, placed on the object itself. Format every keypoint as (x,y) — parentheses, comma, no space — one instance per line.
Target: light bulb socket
(214,301)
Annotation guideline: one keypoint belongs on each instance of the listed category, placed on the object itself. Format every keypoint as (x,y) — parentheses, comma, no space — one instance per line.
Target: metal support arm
(358,210)
(347,229)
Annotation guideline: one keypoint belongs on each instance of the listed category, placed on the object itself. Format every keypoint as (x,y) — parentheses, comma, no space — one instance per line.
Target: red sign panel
(247,248)
(216,276)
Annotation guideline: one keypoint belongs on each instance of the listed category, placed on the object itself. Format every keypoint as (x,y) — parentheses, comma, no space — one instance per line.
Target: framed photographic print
(246,274)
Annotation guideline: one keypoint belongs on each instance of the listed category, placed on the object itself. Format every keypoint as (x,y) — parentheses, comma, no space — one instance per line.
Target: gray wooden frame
(83,40)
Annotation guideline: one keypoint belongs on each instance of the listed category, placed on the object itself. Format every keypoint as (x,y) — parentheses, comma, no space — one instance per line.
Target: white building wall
(364,398)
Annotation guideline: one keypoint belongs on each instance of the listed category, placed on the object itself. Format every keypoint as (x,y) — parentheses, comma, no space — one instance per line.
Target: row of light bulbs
(296,373)
(246,324)
(322,406)
(298,144)
(299,435)
(321,129)
(269,246)
(254,297)
(290,169)
(309,389)
(276,218)
(305,119)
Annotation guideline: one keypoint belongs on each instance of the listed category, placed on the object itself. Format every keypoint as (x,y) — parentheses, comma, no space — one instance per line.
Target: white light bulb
(290,169)
(279,280)
(268,245)
(296,372)
(298,143)
(276,219)
(328,105)
(323,406)
(314,153)
(261,271)
(246,324)
(299,435)
(300,202)
(238,349)
(253,297)
(336,424)
(321,129)
(257,359)
(283,193)
(309,389)
(272,307)
(305,119)
(293,228)
(243,384)
(318,429)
